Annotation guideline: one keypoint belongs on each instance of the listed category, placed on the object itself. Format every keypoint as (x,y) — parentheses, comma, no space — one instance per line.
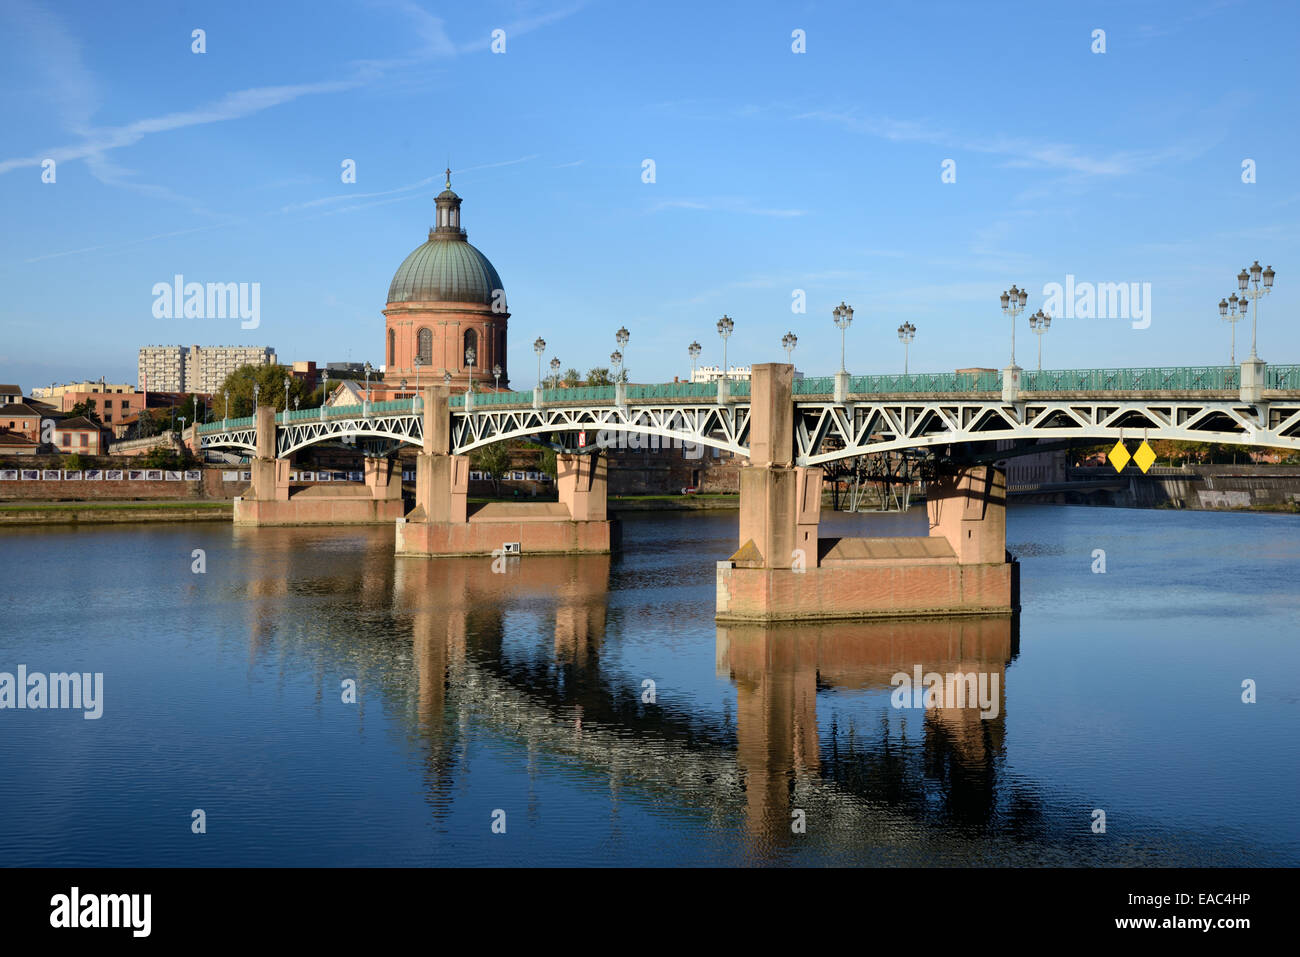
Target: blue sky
(775,171)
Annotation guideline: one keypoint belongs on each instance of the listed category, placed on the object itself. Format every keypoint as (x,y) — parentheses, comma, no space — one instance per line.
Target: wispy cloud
(1020,152)
(724,204)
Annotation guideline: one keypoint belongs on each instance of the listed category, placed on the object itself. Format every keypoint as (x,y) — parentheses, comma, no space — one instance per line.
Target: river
(588,710)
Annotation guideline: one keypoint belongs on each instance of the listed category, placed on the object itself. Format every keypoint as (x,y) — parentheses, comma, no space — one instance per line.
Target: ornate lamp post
(555,372)
(693,350)
(1249,283)
(227,415)
(1013,304)
(622,336)
(788,342)
(496,377)
(257,387)
(418,362)
(725,327)
(286,399)
(365,408)
(539,346)
(1040,322)
(906,333)
(324,393)
(469,361)
(1232,318)
(616,360)
(843,314)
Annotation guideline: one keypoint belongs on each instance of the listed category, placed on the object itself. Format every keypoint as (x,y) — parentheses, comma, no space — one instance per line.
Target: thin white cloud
(723,204)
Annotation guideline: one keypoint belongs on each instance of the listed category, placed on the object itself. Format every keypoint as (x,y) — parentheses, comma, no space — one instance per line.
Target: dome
(445,270)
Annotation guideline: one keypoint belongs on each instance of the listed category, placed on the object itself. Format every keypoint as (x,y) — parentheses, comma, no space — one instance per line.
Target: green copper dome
(446,268)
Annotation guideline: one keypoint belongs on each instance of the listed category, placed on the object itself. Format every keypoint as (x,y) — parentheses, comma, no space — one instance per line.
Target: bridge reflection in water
(547,659)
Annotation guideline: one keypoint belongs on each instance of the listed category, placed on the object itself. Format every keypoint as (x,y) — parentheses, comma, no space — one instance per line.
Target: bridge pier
(270,500)
(442,523)
(784,572)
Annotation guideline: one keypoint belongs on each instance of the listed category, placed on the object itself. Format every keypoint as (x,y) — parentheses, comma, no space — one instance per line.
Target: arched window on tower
(424,340)
(392,347)
(471,342)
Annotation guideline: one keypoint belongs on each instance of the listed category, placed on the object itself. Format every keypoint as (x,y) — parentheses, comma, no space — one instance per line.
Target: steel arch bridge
(865,421)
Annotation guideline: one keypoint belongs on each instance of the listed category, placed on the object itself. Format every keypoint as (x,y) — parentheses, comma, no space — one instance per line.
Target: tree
(571,379)
(599,376)
(86,408)
(269,379)
(495,460)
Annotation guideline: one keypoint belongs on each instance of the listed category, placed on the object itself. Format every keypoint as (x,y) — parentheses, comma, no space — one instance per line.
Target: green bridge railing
(1163,379)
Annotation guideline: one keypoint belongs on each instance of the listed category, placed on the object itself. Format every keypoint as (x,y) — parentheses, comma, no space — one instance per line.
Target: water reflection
(547,654)
(778,671)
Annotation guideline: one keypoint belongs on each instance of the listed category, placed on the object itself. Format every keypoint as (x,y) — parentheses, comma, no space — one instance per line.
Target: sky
(779,177)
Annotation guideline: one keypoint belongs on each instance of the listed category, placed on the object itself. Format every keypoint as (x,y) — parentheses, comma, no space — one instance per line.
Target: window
(471,342)
(83,440)
(392,347)
(424,340)
(67,439)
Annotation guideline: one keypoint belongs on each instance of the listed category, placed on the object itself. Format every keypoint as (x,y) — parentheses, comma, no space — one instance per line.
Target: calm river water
(592,707)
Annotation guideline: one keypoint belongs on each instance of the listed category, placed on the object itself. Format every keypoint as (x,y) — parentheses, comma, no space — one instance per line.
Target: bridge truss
(824,430)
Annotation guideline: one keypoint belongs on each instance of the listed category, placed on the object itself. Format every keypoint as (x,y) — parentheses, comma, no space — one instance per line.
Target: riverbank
(111,513)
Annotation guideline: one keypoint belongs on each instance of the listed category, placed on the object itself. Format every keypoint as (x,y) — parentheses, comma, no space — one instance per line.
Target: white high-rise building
(195,368)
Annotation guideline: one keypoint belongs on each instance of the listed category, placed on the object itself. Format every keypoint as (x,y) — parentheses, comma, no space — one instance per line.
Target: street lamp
(418,362)
(324,393)
(295,403)
(788,342)
(366,405)
(616,360)
(286,399)
(469,362)
(694,351)
(622,336)
(1013,304)
(725,326)
(843,314)
(906,333)
(227,415)
(1229,313)
(496,377)
(555,372)
(257,387)
(539,346)
(1249,283)
(1040,322)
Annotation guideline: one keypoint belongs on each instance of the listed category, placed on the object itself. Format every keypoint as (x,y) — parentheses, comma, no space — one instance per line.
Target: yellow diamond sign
(1119,456)
(1144,456)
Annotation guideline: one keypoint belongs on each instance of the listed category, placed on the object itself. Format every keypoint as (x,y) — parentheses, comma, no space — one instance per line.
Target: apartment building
(196,368)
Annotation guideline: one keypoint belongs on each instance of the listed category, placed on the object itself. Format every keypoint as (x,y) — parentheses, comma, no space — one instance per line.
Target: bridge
(786,430)
(836,417)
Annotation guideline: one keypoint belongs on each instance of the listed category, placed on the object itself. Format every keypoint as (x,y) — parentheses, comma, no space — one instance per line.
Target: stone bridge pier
(271,499)
(444,524)
(783,571)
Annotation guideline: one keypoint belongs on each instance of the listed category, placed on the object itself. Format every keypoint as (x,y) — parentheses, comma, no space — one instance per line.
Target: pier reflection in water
(778,671)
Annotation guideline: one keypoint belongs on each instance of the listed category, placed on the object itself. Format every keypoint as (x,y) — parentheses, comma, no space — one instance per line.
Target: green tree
(599,376)
(86,408)
(495,460)
(270,381)
(571,379)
